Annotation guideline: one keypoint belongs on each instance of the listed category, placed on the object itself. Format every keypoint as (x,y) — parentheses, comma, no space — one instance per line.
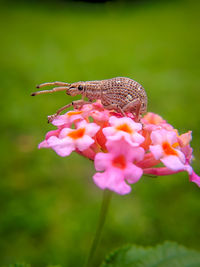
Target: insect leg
(134,107)
(114,107)
(80,103)
(52,117)
(75,104)
(55,89)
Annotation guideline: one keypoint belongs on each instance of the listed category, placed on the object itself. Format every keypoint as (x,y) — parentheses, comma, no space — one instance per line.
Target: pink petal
(52,133)
(84,142)
(92,129)
(100,180)
(61,120)
(173,163)
(187,151)
(64,132)
(114,121)
(63,147)
(157,137)
(195,178)
(160,136)
(171,137)
(102,161)
(43,144)
(138,138)
(112,180)
(109,131)
(121,147)
(132,173)
(181,156)
(137,154)
(185,138)
(100,115)
(153,118)
(157,151)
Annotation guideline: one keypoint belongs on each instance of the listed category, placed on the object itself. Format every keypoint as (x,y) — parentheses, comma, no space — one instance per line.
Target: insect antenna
(52,83)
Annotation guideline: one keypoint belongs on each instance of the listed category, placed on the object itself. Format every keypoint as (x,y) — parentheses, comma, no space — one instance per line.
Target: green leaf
(165,255)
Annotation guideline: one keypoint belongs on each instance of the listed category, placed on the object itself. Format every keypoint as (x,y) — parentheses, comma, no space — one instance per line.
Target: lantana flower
(69,139)
(165,147)
(122,149)
(124,128)
(118,166)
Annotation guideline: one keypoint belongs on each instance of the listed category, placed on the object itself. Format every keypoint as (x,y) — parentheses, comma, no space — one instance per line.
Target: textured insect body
(120,94)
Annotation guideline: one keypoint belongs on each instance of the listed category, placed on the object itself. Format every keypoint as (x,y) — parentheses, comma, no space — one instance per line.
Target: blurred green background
(49,205)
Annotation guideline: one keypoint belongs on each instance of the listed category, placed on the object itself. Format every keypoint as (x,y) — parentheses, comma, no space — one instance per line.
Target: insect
(119,94)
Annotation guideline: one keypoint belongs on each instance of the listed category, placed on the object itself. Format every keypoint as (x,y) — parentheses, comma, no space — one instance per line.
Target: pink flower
(121,148)
(118,167)
(69,140)
(44,143)
(68,118)
(124,128)
(166,148)
(184,142)
(153,122)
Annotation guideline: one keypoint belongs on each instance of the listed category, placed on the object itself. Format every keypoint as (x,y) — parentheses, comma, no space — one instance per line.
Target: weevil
(119,94)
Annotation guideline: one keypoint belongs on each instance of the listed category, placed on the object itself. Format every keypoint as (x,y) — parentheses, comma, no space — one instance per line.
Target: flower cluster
(122,149)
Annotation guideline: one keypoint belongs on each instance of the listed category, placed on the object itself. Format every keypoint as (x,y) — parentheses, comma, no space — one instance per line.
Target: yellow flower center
(76,134)
(125,128)
(168,149)
(71,113)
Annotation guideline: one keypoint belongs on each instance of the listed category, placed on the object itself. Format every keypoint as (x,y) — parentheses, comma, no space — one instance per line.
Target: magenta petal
(195,178)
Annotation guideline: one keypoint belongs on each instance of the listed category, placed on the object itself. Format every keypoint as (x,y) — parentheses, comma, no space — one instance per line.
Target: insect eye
(80,87)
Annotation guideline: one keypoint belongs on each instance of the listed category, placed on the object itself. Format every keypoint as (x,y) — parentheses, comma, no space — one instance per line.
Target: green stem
(104,209)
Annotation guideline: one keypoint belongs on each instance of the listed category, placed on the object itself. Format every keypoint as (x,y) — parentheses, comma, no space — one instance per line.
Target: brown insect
(120,94)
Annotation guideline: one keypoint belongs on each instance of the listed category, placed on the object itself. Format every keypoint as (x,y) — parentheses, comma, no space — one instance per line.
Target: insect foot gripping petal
(50,118)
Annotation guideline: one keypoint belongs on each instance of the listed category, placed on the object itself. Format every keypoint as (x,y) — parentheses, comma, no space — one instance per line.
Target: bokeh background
(49,205)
